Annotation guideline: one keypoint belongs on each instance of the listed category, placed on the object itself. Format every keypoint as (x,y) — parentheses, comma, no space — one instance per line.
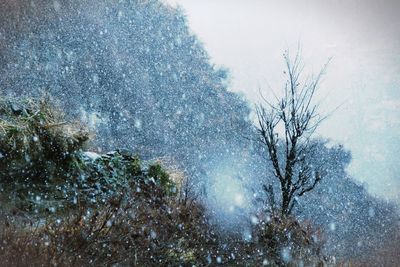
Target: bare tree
(285,128)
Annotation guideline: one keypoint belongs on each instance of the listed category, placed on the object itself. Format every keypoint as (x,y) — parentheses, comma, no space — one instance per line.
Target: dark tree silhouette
(295,118)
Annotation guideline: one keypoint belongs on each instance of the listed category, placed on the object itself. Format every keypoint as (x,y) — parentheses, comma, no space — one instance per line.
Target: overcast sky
(363,78)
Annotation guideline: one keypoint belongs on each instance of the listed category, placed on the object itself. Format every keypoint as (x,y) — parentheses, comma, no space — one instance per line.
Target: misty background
(360,89)
(139,74)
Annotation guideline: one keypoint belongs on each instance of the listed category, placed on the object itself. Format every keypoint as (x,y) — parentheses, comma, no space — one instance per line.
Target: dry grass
(384,254)
(137,229)
(23,118)
(35,132)
(37,149)
(144,229)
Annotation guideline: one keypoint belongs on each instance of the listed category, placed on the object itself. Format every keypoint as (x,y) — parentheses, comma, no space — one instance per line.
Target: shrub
(162,177)
(292,242)
(43,167)
(145,229)
(35,132)
(37,149)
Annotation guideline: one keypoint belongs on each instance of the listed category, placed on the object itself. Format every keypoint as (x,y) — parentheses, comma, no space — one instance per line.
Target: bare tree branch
(298,116)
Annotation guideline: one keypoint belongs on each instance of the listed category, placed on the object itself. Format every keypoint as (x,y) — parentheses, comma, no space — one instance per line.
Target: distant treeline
(135,72)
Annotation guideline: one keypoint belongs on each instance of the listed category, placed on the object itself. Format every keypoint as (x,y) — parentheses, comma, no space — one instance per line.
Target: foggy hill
(136,74)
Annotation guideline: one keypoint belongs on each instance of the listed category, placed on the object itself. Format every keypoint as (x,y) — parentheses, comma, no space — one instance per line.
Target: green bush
(37,149)
(162,177)
(33,132)
(43,166)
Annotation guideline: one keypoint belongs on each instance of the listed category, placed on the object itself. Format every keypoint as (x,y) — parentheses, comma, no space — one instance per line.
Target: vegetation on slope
(76,208)
(138,76)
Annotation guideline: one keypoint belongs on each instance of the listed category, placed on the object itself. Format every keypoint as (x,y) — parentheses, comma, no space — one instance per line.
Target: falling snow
(186,179)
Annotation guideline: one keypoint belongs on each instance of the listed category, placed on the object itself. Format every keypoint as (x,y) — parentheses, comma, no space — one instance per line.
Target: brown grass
(142,229)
